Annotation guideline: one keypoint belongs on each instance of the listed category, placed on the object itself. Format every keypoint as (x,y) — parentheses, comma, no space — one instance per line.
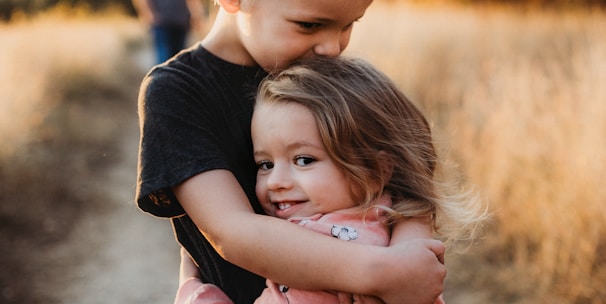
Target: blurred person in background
(170,22)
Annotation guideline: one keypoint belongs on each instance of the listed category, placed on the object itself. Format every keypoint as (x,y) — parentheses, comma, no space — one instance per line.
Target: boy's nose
(330,46)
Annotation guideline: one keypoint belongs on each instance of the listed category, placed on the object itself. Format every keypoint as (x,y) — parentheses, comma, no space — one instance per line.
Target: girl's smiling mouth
(288,209)
(283,206)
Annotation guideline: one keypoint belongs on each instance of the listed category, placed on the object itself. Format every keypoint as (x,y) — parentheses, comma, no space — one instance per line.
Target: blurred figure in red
(170,22)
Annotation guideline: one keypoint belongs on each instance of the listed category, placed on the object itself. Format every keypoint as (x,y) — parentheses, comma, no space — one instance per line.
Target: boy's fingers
(438,249)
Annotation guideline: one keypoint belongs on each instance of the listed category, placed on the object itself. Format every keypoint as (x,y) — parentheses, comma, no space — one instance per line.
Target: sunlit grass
(519,101)
(46,56)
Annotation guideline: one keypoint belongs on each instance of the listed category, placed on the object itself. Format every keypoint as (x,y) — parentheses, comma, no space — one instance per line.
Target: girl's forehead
(286,107)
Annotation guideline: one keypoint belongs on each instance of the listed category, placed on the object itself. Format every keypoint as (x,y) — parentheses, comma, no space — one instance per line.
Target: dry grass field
(517,101)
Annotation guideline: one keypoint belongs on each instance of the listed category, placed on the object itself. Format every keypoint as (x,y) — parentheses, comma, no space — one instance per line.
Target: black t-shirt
(195,113)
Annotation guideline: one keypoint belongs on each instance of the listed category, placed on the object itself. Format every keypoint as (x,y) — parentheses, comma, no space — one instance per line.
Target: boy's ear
(230,6)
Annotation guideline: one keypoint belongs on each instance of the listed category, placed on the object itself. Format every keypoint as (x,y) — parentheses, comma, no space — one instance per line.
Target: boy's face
(296,176)
(274,33)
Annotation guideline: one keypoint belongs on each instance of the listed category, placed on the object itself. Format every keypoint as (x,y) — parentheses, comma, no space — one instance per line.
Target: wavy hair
(377,136)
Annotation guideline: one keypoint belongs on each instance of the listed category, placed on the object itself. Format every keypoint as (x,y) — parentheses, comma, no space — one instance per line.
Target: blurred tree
(27,7)
(9,7)
(543,3)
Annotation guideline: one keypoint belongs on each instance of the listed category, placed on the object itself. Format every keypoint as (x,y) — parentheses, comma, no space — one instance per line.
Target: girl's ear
(387,167)
(230,6)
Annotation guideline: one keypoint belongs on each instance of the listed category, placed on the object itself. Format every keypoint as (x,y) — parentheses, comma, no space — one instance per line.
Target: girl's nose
(279,178)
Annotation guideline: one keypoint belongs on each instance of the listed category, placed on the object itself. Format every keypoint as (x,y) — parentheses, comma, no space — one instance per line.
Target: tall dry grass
(54,54)
(68,89)
(518,100)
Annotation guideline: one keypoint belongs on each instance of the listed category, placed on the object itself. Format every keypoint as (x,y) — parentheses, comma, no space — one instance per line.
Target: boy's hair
(370,129)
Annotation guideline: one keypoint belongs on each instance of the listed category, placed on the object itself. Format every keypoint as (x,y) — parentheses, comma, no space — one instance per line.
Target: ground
(70,231)
(135,256)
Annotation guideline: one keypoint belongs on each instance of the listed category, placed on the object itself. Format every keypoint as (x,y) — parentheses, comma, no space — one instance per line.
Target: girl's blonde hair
(378,137)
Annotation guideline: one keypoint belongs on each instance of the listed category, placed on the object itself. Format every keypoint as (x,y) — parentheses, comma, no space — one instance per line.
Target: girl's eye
(304,161)
(265,165)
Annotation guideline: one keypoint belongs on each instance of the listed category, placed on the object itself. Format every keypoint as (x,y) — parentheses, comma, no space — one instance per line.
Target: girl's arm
(406,272)
(187,268)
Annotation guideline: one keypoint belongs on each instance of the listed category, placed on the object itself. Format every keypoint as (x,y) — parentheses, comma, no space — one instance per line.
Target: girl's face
(274,33)
(295,176)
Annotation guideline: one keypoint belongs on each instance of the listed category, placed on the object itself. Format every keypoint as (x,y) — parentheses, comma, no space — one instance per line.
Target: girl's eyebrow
(258,153)
(293,146)
(304,144)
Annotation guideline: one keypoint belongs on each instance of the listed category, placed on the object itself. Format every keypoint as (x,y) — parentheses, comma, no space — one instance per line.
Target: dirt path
(118,254)
(136,256)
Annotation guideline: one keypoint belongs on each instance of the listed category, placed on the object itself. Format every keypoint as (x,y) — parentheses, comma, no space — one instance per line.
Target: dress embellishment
(345,233)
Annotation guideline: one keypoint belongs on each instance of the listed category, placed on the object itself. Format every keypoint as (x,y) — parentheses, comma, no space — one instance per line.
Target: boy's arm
(280,251)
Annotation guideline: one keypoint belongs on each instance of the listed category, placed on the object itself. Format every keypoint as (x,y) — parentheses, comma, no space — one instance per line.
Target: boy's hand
(416,272)
(420,261)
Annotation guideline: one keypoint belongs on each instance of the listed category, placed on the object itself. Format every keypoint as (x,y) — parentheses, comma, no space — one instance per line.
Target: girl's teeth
(283,206)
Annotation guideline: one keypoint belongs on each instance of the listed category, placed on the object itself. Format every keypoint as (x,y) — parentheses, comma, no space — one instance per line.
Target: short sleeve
(194,114)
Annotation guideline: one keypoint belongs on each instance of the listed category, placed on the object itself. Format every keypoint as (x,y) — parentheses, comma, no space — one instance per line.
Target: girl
(341,151)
